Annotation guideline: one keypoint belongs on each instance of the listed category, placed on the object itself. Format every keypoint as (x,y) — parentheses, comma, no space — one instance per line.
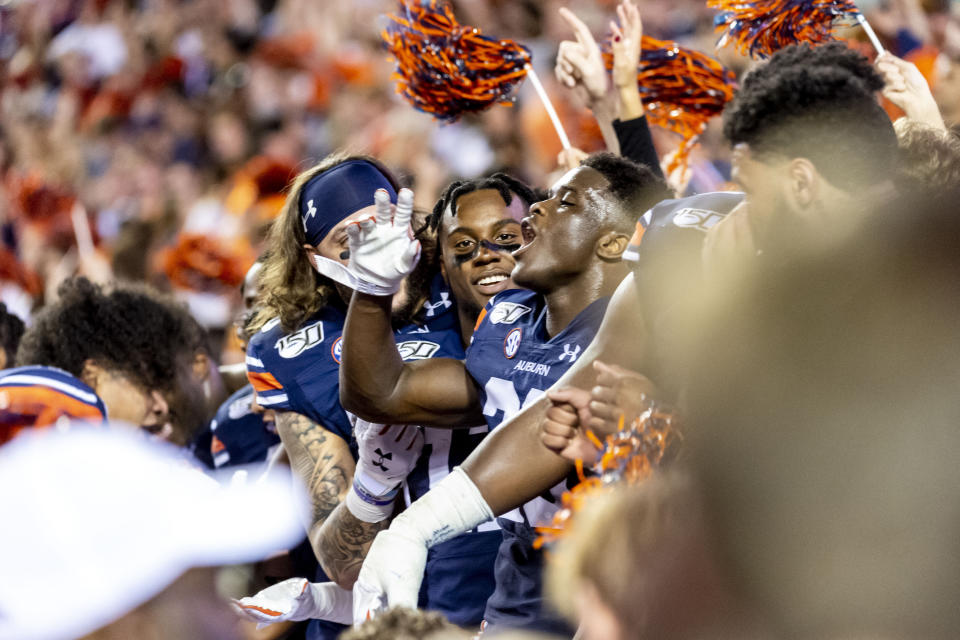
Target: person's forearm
(341,543)
(370,365)
(928,114)
(605,112)
(511,466)
(320,459)
(631,106)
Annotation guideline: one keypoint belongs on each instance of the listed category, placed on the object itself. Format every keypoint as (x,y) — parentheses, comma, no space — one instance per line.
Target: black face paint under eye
(460,258)
(345,255)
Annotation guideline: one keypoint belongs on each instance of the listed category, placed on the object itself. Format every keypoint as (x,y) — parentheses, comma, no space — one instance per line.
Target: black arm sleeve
(636,143)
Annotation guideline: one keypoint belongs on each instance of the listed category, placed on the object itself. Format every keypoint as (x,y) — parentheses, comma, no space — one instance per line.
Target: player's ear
(803,181)
(91,373)
(443,273)
(611,245)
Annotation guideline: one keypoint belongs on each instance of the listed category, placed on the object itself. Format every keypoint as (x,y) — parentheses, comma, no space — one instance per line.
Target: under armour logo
(443,303)
(573,353)
(383,456)
(311,212)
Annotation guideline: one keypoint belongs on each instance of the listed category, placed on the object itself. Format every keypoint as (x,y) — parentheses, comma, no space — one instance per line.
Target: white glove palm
(383,250)
(297,599)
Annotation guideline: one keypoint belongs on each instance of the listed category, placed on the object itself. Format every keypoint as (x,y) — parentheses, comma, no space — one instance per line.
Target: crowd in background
(176,126)
(156,141)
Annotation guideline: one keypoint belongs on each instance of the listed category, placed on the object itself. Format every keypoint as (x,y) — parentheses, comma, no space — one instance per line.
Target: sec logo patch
(336,349)
(511,344)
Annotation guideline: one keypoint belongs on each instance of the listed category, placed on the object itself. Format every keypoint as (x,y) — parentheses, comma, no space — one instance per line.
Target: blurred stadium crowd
(177,125)
(176,197)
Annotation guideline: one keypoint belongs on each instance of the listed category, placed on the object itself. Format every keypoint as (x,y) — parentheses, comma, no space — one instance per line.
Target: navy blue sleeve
(636,143)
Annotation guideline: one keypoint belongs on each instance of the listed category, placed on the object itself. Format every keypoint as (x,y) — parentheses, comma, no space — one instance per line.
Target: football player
(94,352)
(850,148)
(477,223)
(293,363)
(524,341)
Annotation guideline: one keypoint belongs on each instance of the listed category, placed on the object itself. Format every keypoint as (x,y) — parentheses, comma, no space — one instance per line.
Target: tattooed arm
(342,543)
(386,456)
(322,461)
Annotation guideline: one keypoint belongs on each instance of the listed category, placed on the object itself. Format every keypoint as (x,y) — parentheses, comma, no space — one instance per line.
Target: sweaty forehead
(581,179)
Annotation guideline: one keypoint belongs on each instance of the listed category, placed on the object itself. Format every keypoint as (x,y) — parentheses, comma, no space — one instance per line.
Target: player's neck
(468,321)
(567,301)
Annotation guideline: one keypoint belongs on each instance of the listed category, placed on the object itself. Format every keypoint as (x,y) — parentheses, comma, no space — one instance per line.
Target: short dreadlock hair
(507,186)
(816,103)
(127,329)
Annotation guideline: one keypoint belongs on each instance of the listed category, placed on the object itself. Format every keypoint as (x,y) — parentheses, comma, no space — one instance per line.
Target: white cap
(96,522)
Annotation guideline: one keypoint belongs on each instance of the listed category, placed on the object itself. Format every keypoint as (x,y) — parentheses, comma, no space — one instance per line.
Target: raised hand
(626,44)
(579,63)
(383,250)
(627,37)
(908,89)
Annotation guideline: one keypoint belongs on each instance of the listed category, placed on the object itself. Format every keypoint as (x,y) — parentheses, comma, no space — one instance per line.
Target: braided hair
(507,186)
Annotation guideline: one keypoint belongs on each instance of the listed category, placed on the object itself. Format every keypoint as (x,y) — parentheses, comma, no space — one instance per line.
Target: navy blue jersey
(666,257)
(513,363)
(35,396)
(458,578)
(300,371)
(240,436)
(675,229)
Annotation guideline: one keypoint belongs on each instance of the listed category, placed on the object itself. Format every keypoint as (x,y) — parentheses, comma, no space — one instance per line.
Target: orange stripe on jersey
(47,405)
(638,234)
(483,314)
(263,380)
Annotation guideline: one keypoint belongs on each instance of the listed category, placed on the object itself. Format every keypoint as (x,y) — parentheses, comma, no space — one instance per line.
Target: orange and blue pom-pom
(681,89)
(629,456)
(447,69)
(761,27)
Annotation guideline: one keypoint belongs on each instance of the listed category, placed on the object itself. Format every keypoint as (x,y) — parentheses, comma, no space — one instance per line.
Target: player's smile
(492,281)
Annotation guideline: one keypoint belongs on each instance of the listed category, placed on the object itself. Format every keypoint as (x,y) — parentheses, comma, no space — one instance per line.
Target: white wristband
(452,507)
(365,511)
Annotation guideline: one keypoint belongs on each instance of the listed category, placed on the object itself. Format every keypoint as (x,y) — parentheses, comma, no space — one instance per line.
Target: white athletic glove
(387,454)
(393,569)
(297,599)
(383,250)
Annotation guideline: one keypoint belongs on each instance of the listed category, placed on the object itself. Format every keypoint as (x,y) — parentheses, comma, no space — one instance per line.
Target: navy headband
(337,193)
